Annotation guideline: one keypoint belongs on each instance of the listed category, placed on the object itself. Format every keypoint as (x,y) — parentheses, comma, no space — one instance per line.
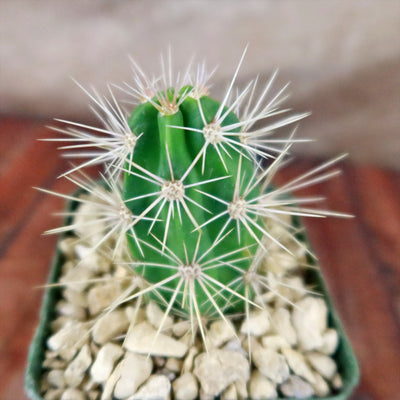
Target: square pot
(344,356)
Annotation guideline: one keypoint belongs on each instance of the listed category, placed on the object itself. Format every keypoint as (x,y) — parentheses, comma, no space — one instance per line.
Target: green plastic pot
(344,356)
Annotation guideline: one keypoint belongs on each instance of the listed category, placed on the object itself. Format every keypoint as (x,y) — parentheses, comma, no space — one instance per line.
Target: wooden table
(360,258)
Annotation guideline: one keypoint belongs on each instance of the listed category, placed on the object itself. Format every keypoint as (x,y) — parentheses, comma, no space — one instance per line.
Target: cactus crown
(186,190)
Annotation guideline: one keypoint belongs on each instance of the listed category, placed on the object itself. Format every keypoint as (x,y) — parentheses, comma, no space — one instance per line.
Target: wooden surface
(360,258)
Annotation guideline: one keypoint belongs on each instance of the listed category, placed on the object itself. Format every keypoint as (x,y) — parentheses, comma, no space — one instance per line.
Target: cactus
(187,188)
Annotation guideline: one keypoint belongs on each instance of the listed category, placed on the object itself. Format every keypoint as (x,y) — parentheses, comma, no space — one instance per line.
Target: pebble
(77,278)
(55,378)
(68,246)
(155,316)
(100,297)
(296,387)
(320,386)
(174,365)
(135,370)
(75,372)
(157,387)
(141,339)
(330,341)
(220,332)
(298,364)
(235,345)
(270,363)
(70,310)
(180,328)
(109,386)
(217,369)
(309,320)
(281,323)
(274,342)
(229,393)
(188,362)
(337,382)
(104,363)
(261,387)
(53,394)
(185,387)
(257,324)
(323,364)
(109,326)
(241,389)
(76,298)
(73,394)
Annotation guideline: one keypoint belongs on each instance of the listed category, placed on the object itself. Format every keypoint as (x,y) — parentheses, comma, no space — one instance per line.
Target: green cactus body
(180,205)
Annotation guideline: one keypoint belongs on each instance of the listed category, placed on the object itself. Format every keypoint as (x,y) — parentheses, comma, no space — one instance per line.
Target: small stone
(337,382)
(282,325)
(55,378)
(157,387)
(155,316)
(220,332)
(296,387)
(143,339)
(100,297)
(330,339)
(73,394)
(77,278)
(174,365)
(270,363)
(320,386)
(53,394)
(241,389)
(261,387)
(171,376)
(257,324)
(59,323)
(70,310)
(109,326)
(180,328)
(188,363)
(185,387)
(67,246)
(235,345)
(104,363)
(159,362)
(135,370)
(274,342)
(68,340)
(298,364)
(92,260)
(93,395)
(229,393)
(309,320)
(323,364)
(75,371)
(109,386)
(135,315)
(54,363)
(217,369)
(78,299)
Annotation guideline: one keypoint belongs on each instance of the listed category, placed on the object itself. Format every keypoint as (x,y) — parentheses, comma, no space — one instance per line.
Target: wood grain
(360,257)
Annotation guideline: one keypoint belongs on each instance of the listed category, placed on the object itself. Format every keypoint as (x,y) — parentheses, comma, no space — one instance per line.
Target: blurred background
(342,58)
(343,61)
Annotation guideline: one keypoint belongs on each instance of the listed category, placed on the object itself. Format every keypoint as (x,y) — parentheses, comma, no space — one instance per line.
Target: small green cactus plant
(187,188)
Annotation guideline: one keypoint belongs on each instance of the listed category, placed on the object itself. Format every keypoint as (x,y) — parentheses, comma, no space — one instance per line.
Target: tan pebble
(54,363)
(185,387)
(320,386)
(217,369)
(53,394)
(135,315)
(337,382)
(156,387)
(92,260)
(180,328)
(309,320)
(109,326)
(100,297)
(188,362)
(298,364)
(274,342)
(59,323)
(67,246)
(174,365)
(77,278)
(135,370)
(257,324)
(104,362)
(75,372)
(323,364)
(143,339)
(241,389)
(109,386)
(230,393)
(94,395)
(270,363)
(159,362)
(261,387)
(330,341)
(296,387)
(281,323)
(70,310)
(55,378)
(220,332)
(73,394)
(155,316)
(78,299)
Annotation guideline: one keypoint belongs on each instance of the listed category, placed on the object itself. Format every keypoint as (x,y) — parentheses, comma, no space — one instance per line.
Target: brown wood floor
(360,258)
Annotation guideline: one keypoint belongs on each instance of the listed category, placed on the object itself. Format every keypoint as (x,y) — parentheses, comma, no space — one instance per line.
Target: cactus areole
(187,184)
